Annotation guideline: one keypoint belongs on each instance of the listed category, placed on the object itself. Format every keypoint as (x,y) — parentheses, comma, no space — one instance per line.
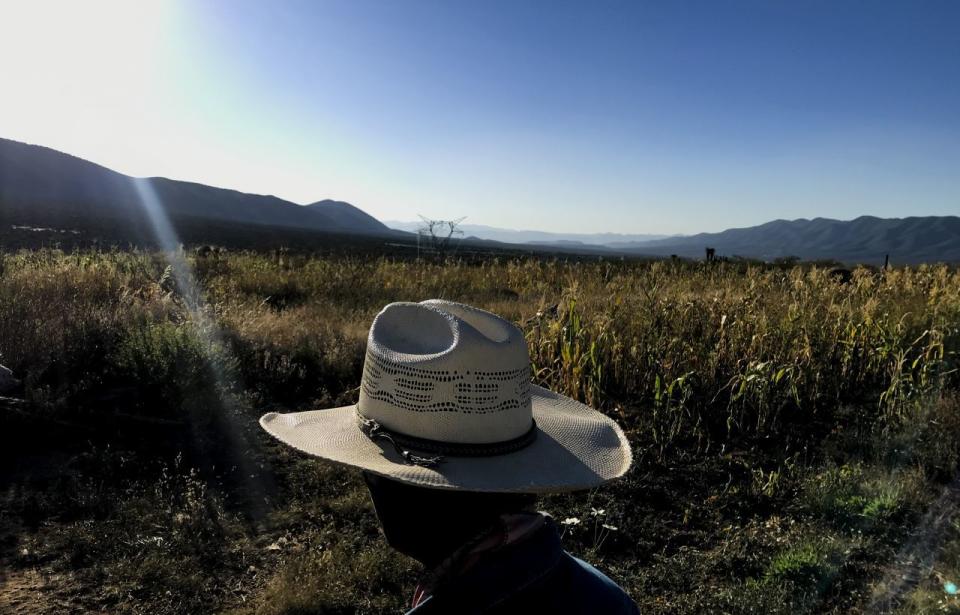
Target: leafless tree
(438,235)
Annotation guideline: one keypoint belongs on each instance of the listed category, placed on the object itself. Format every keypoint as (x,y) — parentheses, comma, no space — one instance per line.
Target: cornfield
(765,378)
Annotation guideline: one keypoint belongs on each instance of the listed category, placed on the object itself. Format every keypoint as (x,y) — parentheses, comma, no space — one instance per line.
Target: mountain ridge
(344,213)
(39,185)
(534,237)
(42,187)
(910,239)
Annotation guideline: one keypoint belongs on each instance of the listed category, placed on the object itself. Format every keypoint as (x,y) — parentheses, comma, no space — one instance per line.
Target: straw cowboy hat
(446,402)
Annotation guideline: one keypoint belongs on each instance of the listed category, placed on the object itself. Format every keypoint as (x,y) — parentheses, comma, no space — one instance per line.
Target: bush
(174,370)
(807,566)
(854,496)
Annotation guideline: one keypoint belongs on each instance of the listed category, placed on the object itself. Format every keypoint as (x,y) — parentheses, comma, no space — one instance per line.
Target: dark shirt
(534,575)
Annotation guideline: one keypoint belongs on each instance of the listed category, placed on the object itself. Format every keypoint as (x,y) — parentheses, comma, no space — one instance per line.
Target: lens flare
(229,407)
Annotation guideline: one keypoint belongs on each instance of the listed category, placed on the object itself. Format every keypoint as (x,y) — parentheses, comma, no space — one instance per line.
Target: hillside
(865,239)
(347,215)
(46,188)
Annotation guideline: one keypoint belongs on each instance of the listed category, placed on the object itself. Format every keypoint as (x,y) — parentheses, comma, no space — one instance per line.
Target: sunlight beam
(211,340)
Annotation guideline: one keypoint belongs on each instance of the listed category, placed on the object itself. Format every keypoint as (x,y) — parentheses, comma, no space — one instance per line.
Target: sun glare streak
(169,243)
(211,338)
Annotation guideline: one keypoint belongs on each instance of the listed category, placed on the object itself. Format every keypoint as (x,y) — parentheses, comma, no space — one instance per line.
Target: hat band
(403,443)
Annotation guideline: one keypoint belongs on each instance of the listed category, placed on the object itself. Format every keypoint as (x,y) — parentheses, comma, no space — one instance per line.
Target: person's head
(430,524)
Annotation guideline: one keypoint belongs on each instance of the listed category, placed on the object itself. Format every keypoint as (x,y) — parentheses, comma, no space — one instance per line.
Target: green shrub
(854,496)
(173,368)
(808,566)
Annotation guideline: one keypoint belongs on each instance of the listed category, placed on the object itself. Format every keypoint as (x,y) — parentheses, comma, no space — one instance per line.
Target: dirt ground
(24,592)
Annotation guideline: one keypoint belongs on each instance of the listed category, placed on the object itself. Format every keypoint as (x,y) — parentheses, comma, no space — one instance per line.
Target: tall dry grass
(774,400)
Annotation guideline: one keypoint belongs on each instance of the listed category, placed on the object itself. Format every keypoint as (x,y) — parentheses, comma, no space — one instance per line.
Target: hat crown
(446,371)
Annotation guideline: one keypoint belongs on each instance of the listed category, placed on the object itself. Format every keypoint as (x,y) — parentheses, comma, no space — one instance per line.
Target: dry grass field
(796,438)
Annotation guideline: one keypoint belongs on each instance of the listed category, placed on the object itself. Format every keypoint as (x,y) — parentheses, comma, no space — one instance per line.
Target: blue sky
(668,117)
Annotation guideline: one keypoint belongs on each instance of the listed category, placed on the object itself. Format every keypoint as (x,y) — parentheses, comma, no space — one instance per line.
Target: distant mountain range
(45,190)
(43,187)
(866,239)
(506,235)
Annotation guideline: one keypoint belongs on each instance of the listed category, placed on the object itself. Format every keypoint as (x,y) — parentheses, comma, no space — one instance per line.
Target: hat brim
(576,447)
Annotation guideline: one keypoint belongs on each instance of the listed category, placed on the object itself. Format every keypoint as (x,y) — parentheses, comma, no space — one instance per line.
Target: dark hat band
(404,443)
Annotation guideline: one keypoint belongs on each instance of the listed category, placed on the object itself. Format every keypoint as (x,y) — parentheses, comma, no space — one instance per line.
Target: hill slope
(864,239)
(43,187)
(345,214)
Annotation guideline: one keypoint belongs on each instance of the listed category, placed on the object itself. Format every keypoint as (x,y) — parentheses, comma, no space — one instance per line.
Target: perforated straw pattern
(447,372)
(442,390)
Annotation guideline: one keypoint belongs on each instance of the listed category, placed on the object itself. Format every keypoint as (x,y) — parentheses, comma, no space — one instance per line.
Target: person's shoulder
(536,576)
(600,588)
(594,574)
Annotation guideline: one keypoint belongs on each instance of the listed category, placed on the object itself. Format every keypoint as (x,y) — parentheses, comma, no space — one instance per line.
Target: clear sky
(666,117)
